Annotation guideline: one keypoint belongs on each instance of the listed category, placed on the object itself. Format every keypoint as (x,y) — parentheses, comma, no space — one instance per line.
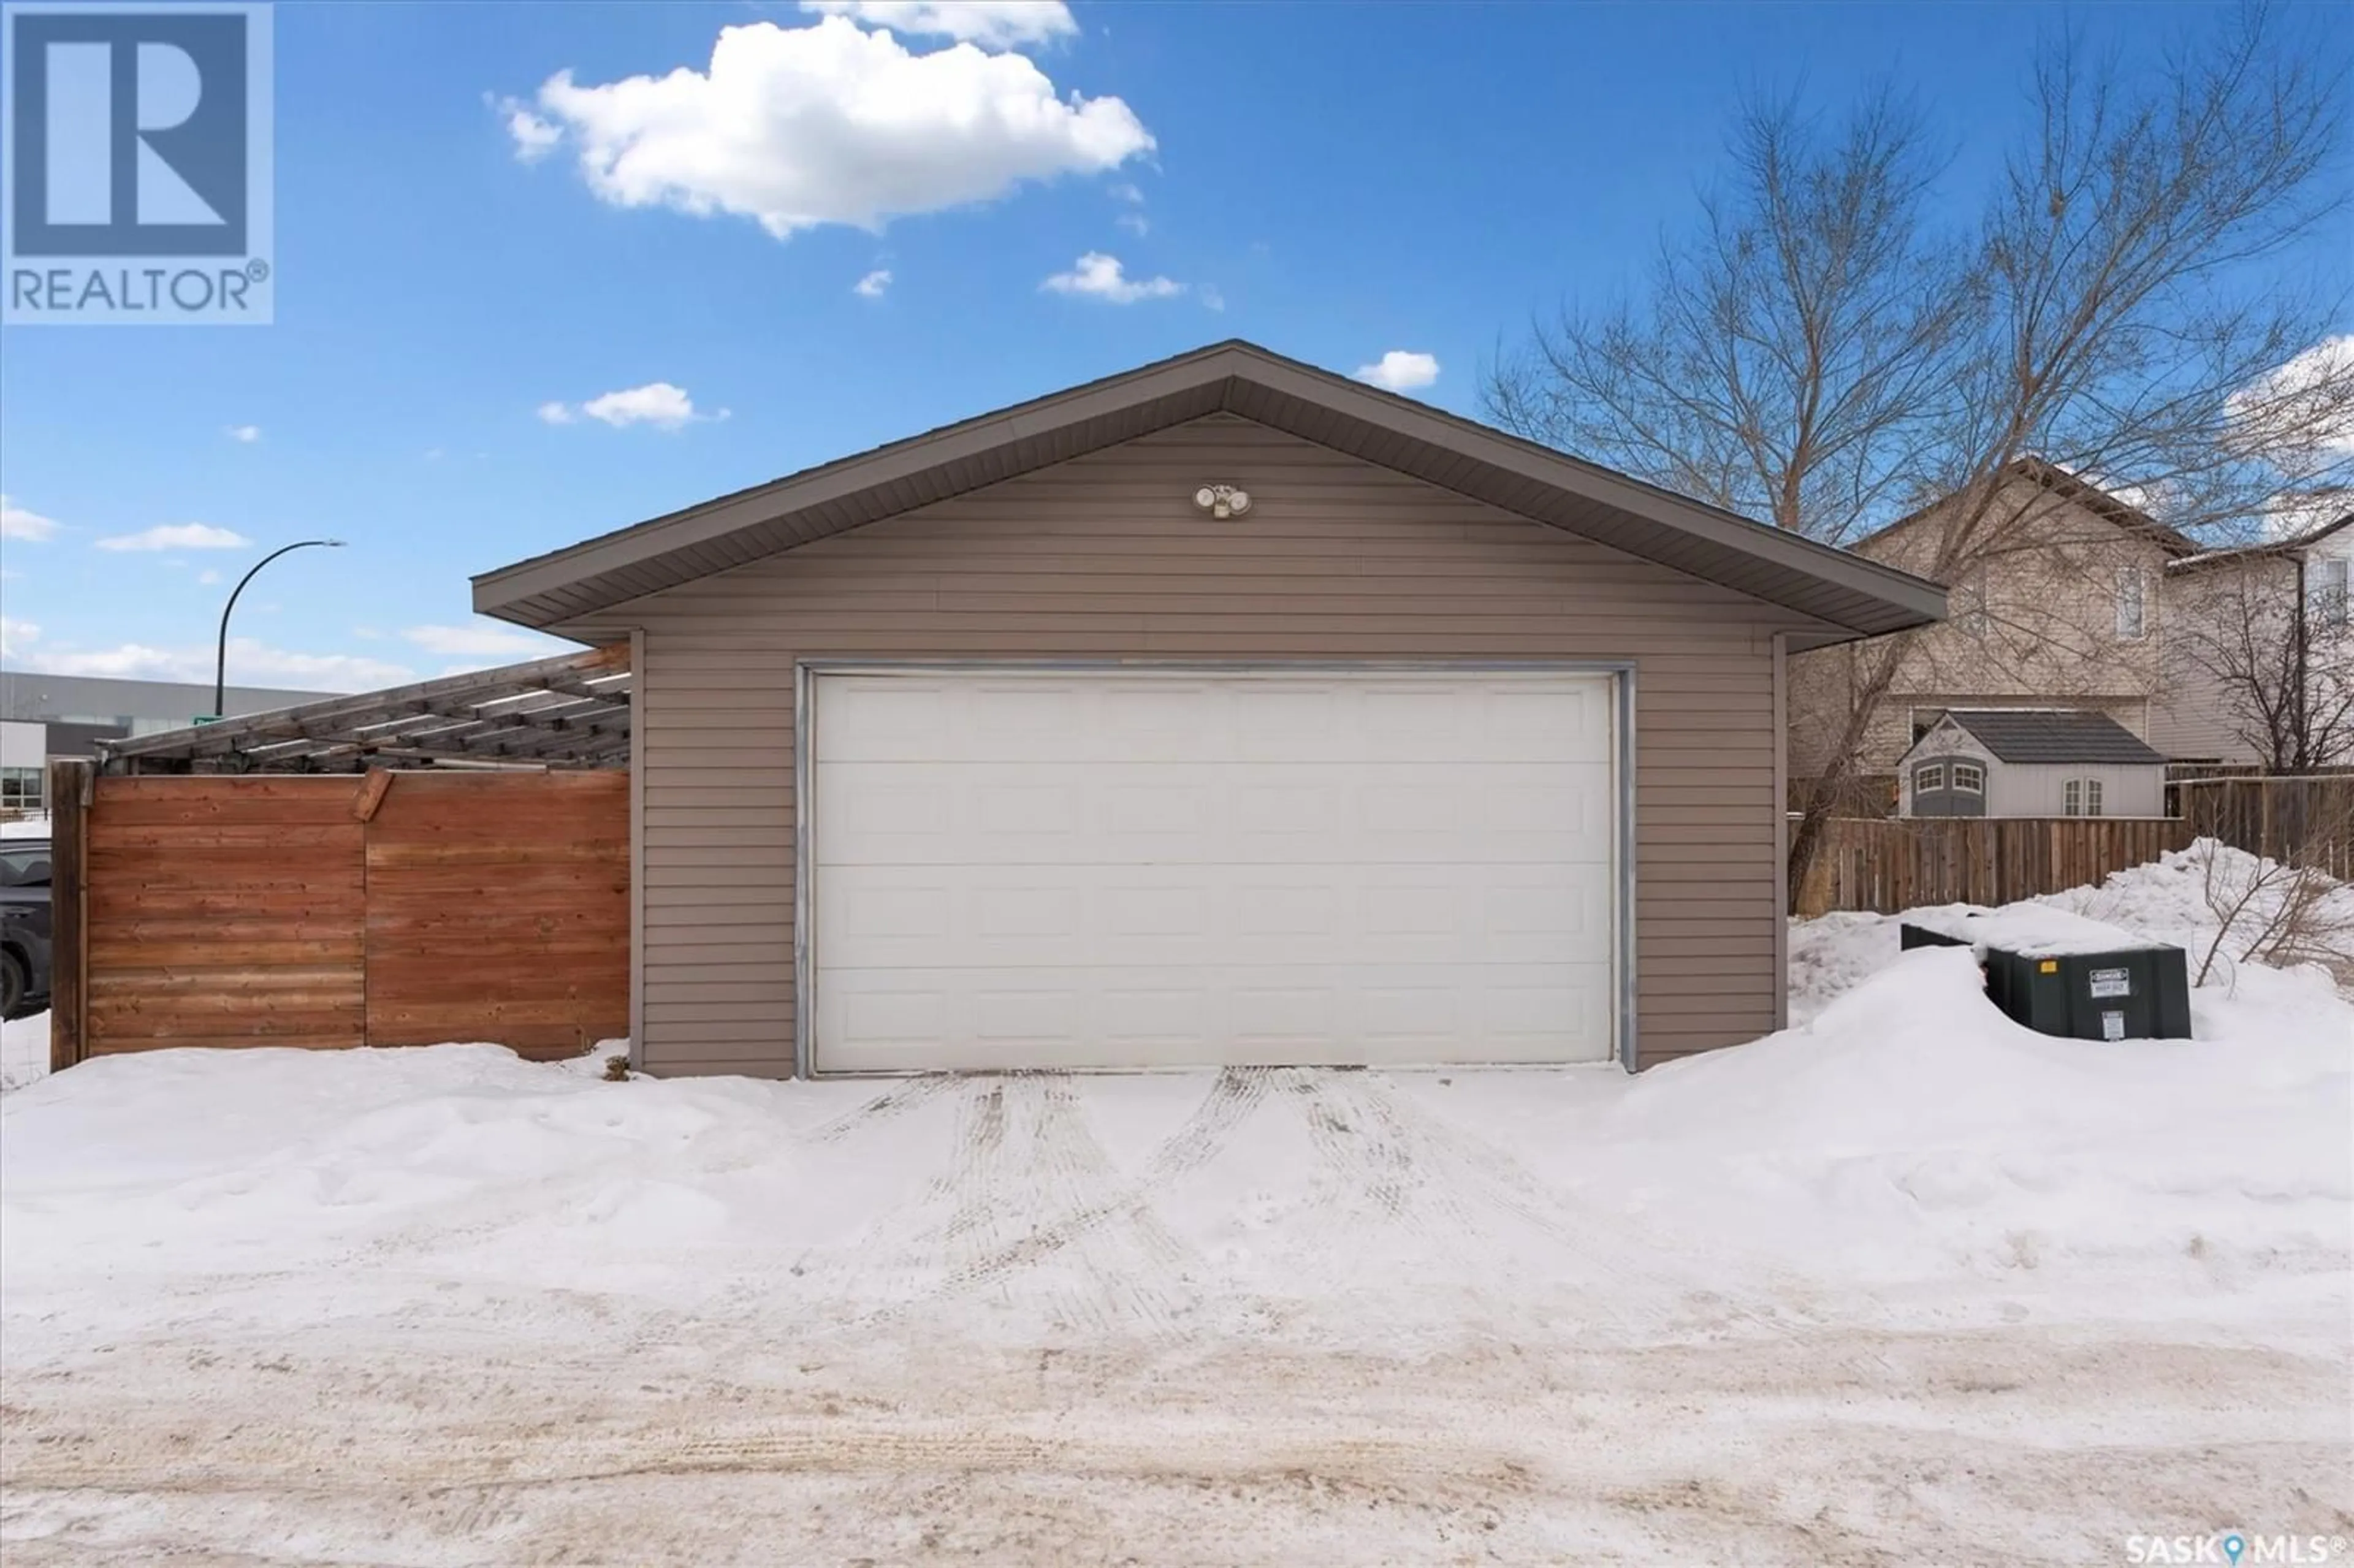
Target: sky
(541,274)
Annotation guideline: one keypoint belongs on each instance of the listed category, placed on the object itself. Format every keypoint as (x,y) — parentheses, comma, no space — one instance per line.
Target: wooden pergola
(569,712)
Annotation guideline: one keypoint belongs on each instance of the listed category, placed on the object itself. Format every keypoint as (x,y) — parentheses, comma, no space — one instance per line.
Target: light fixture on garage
(1222,499)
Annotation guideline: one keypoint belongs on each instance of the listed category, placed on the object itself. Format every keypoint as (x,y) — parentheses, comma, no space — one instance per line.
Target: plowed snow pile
(1902,1283)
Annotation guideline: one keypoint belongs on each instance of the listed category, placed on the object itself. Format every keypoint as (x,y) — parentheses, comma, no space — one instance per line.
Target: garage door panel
(983,1018)
(1120,868)
(952,814)
(907,917)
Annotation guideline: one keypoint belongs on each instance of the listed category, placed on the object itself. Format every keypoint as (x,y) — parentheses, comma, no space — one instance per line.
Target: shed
(1222,711)
(2031,762)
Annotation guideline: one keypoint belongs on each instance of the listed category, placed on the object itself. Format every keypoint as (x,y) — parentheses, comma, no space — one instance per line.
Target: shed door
(1124,869)
(1949,787)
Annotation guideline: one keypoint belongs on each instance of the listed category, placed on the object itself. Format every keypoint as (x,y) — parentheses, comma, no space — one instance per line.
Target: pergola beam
(572,710)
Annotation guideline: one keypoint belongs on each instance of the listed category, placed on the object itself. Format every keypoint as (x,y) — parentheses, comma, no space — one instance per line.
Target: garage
(1219,711)
(1144,868)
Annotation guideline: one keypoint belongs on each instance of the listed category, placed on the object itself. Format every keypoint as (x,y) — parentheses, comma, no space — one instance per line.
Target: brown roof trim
(1860,597)
(2061,483)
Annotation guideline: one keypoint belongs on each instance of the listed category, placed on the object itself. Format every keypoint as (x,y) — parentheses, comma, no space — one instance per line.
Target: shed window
(20,788)
(2131,617)
(2081,798)
(2326,590)
(1969,778)
(1929,777)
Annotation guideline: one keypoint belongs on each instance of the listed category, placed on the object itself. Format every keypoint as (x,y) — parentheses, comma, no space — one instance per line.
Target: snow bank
(2032,930)
(1903,1117)
(25,828)
(282,1158)
(24,1051)
(2169,900)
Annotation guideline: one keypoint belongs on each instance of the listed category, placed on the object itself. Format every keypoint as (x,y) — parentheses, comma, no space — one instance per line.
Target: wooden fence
(1885,867)
(395,909)
(2306,820)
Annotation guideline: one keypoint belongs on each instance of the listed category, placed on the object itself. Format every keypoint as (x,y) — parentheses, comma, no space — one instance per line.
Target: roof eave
(556,589)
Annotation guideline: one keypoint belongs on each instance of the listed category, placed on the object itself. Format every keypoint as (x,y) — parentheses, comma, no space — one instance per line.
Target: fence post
(71,787)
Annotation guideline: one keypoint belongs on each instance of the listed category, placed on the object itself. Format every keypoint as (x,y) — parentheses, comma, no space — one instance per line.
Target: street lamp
(220,661)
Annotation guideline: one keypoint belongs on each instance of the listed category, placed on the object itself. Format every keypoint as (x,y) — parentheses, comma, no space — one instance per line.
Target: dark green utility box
(2067,983)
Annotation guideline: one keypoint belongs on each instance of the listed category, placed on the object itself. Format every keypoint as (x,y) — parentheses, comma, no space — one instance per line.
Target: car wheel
(12,985)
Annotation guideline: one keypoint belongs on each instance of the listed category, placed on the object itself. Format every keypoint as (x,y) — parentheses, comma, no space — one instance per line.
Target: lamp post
(220,660)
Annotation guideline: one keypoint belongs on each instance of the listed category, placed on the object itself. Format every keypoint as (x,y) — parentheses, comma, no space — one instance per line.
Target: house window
(1928,778)
(2131,606)
(1969,778)
(2081,798)
(2325,589)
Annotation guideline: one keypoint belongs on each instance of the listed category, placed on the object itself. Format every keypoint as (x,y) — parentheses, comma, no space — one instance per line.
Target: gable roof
(2291,546)
(2050,735)
(1854,596)
(2059,481)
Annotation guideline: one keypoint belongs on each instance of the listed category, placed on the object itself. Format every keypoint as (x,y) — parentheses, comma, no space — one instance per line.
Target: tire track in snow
(895,1101)
(1233,1096)
(1636,1263)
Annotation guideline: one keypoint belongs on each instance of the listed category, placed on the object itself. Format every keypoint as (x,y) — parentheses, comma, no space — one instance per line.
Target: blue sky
(456,301)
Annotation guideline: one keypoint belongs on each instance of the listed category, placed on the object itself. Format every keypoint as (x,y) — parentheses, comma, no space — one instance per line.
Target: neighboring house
(2259,668)
(2029,762)
(2068,612)
(66,715)
(1028,743)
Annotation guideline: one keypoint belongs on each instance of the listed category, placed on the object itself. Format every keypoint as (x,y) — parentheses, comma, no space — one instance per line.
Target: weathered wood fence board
(499,909)
(1886,866)
(329,912)
(2306,820)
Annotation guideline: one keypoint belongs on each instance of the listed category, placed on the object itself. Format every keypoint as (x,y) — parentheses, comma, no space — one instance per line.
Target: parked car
(24,926)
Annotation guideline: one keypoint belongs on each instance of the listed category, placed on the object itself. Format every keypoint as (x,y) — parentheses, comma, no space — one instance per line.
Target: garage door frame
(807,670)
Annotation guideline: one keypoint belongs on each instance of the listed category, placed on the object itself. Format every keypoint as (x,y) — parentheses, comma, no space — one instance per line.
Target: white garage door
(1133,869)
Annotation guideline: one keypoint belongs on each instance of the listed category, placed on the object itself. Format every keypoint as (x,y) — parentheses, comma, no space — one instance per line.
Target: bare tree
(2275,656)
(1817,355)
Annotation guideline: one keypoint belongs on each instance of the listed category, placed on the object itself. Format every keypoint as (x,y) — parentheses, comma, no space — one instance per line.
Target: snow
(24,1051)
(1903,1282)
(2032,930)
(32,827)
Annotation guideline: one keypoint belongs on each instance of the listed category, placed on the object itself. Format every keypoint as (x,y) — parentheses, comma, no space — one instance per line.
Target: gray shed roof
(2051,735)
(1852,595)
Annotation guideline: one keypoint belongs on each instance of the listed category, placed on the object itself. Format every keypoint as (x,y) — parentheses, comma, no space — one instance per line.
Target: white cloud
(1136,223)
(208,577)
(872,285)
(802,126)
(250,664)
(1101,277)
(1400,370)
(1127,190)
(991,24)
(1212,299)
(248,434)
(2304,412)
(485,639)
(535,138)
(23,523)
(179,536)
(16,638)
(657,403)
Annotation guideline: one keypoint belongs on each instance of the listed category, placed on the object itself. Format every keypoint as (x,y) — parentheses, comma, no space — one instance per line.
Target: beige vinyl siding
(1106,556)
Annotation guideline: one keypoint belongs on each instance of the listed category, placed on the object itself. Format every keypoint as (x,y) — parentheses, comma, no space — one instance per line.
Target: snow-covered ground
(1903,1284)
